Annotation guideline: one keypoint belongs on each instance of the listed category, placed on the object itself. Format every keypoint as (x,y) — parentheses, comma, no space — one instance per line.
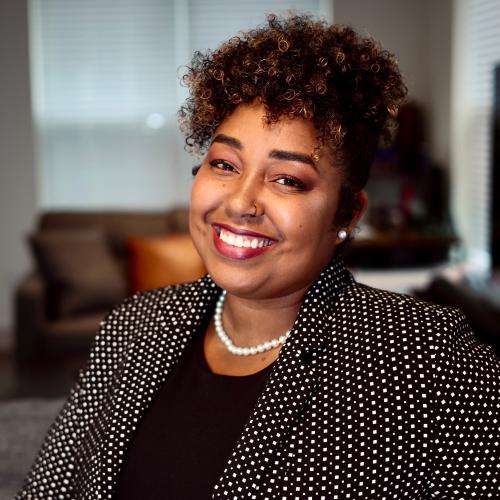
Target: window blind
(476,52)
(103,60)
(106,92)
(206,16)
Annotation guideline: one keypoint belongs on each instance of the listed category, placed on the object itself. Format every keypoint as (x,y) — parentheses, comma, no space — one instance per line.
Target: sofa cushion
(81,273)
(68,335)
(118,226)
(162,261)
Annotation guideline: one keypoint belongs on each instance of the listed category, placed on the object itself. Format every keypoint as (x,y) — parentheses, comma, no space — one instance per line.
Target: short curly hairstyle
(297,66)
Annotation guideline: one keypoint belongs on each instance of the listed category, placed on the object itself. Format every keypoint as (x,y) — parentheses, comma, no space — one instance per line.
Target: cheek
(309,220)
(204,195)
(196,188)
(198,206)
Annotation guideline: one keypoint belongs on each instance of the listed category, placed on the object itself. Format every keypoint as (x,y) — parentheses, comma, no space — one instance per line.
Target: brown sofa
(42,332)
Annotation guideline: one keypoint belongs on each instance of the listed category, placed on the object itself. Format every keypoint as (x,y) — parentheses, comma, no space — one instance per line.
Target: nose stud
(254,206)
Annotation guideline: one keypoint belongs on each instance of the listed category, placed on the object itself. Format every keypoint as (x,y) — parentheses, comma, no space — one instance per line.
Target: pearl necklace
(242,351)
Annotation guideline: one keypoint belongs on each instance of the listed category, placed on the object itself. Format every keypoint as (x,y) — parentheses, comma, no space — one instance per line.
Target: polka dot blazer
(374,396)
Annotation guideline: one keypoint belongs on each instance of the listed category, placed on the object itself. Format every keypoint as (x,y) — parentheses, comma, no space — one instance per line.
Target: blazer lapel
(157,348)
(288,389)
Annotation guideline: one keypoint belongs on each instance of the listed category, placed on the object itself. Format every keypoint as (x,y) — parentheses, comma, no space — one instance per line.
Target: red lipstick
(236,252)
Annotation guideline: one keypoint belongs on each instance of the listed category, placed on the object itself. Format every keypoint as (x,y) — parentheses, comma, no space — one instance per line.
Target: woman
(277,375)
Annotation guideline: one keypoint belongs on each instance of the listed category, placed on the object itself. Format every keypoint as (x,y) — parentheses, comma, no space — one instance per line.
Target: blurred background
(94,180)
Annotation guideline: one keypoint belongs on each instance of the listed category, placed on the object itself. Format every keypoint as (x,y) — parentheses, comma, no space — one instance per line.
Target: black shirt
(181,446)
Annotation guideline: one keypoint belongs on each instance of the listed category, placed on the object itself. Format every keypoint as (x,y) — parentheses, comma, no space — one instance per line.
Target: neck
(251,322)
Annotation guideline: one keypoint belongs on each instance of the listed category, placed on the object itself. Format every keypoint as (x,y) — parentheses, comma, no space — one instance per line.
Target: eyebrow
(292,156)
(277,154)
(229,141)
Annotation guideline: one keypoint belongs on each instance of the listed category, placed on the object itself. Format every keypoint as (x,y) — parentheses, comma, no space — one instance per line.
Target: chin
(236,281)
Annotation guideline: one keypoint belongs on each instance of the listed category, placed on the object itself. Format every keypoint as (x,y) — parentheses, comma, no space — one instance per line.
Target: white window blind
(476,52)
(206,16)
(106,93)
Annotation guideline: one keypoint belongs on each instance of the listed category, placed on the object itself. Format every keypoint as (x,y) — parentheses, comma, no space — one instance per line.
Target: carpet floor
(23,425)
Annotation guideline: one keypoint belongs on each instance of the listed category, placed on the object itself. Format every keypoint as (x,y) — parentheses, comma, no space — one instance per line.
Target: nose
(245,198)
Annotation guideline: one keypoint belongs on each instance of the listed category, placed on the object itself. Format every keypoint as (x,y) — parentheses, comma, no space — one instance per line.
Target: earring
(342,234)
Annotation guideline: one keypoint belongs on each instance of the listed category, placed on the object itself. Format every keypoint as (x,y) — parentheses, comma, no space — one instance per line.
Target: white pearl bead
(236,350)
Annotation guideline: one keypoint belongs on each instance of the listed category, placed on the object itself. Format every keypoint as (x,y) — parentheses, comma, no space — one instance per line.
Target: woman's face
(262,211)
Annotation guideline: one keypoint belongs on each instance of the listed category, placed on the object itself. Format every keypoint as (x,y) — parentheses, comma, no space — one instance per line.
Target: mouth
(240,243)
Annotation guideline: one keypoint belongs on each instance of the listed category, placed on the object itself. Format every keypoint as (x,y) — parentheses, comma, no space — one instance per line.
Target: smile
(238,243)
(243,241)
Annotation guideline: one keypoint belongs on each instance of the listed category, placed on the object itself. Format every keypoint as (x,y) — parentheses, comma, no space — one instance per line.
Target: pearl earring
(342,234)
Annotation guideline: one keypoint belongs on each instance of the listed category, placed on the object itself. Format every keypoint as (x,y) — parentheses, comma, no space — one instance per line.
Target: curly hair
(297,66)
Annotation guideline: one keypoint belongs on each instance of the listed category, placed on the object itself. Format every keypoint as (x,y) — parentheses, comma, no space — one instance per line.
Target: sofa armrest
(483,315)
(30,314)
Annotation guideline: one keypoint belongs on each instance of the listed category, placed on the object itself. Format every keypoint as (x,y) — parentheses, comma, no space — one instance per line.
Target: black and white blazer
(374,396)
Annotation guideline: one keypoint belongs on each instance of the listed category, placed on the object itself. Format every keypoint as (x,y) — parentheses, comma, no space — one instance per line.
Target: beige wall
(17,172)
(419,33)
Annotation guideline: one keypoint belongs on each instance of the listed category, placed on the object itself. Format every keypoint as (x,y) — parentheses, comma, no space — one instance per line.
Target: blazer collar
(163,338)
(158,344)
(289,387)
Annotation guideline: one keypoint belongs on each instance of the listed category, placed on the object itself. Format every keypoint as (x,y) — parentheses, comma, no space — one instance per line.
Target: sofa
(479,307)
(84,264)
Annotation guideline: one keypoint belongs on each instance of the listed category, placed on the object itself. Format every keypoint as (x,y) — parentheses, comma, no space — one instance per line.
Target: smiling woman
(263,219)
(260,180)
(277,375)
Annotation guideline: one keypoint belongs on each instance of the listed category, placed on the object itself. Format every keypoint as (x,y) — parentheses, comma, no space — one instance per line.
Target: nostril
(240,206)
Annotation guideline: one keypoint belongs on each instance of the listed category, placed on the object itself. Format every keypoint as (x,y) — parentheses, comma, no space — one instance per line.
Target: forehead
(248,123)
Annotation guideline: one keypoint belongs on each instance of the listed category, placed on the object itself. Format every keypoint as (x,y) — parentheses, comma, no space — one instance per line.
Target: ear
(362,204)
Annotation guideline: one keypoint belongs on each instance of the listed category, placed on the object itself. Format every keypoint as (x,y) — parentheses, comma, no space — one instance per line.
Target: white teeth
(241,241)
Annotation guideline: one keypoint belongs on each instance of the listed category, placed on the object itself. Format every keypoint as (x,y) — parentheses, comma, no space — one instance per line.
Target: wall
(439,56)
(17,172)
(419,33)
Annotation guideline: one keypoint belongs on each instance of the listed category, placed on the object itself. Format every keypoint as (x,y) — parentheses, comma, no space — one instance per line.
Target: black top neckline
(193,424)
(205,367)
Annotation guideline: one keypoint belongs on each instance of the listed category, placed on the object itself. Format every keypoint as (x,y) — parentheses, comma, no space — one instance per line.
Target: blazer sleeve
(55,471)
(466,453)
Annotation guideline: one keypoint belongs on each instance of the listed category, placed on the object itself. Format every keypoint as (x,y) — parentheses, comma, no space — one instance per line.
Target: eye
(222,165)
(291,182)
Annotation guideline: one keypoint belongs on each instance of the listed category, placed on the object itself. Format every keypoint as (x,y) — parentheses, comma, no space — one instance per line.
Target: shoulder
(138,313)
(135,322)
(385,302)
(388,316)
(134,311)
(140,306)
(412,338)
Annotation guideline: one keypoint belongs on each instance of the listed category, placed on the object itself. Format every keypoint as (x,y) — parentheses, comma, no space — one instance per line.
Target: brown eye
(290,182)
(222,165)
